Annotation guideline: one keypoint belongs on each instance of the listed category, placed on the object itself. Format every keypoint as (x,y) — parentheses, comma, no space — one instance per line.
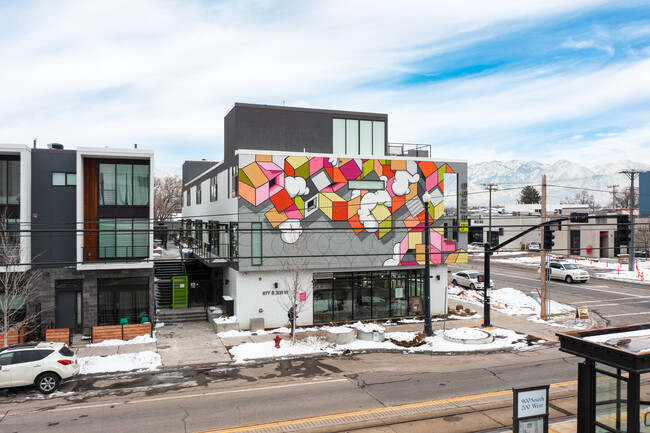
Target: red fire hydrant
(277,340)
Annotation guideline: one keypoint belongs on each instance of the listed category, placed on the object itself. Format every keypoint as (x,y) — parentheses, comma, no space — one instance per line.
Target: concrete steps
(182,315)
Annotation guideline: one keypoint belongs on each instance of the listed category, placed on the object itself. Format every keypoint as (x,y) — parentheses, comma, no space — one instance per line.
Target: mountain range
(563,179)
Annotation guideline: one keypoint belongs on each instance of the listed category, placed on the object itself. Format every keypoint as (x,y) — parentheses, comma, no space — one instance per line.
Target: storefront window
(122,298)
(365,295)
(322,301)
(381,295)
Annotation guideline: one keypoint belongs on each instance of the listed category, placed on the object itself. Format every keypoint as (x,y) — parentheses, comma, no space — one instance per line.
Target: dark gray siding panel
(192,169)
(283,129)
(53,209)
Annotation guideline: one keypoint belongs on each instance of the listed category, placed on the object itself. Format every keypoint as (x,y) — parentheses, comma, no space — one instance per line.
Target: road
(197,400)
(202,399)
(619,303)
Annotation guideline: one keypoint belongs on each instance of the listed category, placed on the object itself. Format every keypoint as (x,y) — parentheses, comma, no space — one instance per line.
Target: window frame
(197,194)
(132,182)
(66,175)
(214,192)
(118,234)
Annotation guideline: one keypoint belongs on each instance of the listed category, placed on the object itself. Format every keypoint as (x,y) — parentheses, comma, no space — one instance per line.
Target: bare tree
(167,197)
(622,198)
(18,282)
(581,198)
(297,292)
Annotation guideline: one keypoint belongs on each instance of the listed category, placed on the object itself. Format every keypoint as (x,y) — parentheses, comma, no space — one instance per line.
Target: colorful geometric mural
(381,197)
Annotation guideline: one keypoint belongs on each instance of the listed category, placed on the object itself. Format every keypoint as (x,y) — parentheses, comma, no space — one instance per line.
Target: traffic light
(548,238)
(623,229)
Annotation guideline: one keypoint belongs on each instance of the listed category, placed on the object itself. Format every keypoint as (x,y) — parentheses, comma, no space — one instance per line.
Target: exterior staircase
(178,315)
(163,273)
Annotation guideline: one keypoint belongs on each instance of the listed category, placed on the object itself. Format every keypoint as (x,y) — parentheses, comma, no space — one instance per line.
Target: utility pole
(542,256)
(632,174)
(613,187)
(491,187)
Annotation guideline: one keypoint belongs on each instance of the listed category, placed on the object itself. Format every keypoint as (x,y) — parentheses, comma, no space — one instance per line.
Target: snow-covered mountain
(563,178)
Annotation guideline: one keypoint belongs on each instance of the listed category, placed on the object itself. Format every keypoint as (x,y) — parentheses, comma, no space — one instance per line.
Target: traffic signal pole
(542,255)
(487,290)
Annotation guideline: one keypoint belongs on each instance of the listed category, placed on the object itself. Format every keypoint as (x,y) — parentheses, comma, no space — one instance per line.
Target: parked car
(43,365)
(569,272)
(469,279)
(534,246)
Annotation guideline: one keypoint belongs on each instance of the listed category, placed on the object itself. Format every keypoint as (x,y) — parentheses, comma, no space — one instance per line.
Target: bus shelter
(613,379)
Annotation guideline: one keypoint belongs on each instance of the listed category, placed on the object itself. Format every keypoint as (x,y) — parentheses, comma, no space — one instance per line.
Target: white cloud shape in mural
(368,203)
(296,186)
(402,181)
(394,261)
(291,231)
(334,162)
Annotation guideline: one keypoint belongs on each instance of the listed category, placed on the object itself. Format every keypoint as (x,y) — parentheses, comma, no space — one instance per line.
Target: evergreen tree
(529,195)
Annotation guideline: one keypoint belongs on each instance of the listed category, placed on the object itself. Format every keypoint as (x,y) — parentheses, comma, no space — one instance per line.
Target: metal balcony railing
(115,253)
(408,149)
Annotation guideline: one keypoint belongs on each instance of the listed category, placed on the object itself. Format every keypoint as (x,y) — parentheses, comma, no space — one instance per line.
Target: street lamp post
(427,272)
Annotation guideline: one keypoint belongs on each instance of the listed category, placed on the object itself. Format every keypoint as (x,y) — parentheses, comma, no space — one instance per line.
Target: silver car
(469,279)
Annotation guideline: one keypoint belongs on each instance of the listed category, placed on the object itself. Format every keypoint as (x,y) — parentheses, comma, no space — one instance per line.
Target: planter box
(14,336)
(119,332)
(370,335)
(61,335)
(340,335)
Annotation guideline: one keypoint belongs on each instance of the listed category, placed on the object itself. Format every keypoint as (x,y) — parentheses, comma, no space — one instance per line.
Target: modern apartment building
(85,218)
(324,192)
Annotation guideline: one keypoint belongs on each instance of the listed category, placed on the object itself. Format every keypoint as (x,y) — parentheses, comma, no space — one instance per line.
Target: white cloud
(402,181)
(295,186)
(163,74)
(291,231)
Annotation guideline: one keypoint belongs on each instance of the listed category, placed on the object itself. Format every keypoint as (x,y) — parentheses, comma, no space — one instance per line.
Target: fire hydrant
(277,340)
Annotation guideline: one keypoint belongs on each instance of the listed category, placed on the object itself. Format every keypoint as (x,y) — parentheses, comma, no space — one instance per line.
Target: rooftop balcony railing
(408,149)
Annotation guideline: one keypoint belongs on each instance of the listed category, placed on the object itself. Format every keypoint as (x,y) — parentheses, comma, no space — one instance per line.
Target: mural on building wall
(378,196)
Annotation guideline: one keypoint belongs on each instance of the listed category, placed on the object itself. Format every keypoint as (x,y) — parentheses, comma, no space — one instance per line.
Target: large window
(10,180)
(358,137)
(198,193)
(256,243)
(364,295)
(123,238)
(213,188)
(122,298)
(123,184)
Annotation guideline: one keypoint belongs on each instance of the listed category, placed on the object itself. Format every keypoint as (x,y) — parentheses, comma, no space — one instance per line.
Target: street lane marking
(338,416)
(626,314)
(616,299)
(179,397)
(618,303)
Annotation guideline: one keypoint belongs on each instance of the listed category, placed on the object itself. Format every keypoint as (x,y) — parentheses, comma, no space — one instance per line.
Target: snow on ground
(140,339)
(317,345)
(608,269)
(146,360)
(507,301)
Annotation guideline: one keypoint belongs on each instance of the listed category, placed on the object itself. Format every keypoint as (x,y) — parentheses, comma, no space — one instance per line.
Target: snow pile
(140,339)
(147,360)
(504,339)
(465,333)
(367,327)
(225,319)
(235,333)
(508,301)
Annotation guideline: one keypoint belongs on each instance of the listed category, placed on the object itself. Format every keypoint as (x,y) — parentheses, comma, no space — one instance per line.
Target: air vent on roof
(58,146)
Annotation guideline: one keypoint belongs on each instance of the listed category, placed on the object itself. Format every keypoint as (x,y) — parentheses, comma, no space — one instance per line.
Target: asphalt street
(196,400)
(619,303)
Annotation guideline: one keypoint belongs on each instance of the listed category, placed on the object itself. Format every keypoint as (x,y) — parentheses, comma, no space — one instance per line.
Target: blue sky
(480,81)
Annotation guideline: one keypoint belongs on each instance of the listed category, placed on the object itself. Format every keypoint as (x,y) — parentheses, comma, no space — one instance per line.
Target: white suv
(43,365)
(567,272)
